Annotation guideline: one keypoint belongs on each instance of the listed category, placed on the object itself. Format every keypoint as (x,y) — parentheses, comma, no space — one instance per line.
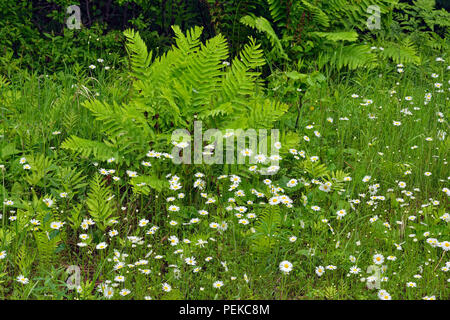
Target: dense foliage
(356,202)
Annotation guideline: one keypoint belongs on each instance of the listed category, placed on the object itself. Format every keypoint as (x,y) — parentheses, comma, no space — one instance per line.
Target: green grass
(350,145)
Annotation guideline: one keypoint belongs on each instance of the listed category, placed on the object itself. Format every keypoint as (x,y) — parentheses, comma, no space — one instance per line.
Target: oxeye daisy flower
(246,152)
(341,213)
(113,233)
(101,246)
(214,225)
(292,183)
(84,236)
(445,245)
(48,202)
(355,270)
(378,259)
(190,261)
(275,157)
(146,164)
(243,221)
(132,174)
(56,225)
(173,240)
(285,266)
(218,284)
(203,212)
(22,279)
(384,295)
(108,292)
(320,270)
(124,292)
(274,200)
(325,187)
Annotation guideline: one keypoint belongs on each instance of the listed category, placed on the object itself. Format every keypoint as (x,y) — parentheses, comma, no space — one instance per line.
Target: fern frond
(278,11)
(189,43)
(240,80)
(263,25)
(99,202)
(205,70)
(338,36)
(85,148)
(352,56)
(267,227)
(140,58)
(318,15)
(403,52)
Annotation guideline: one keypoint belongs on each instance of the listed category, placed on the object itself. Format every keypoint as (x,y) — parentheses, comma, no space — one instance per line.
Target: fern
(99,202)
(142,184)
(75,216)
(71,179)
(40,167)
(46,246)
(403,52)
(278,11)
(260,114)
(263,25)
(267,227)
(337,36)
(351,56)
(240,80)
(85,148)
(24,259)
(315,169)
(318,15)
(187,44)
(193,79)
(140,58)
(205,71)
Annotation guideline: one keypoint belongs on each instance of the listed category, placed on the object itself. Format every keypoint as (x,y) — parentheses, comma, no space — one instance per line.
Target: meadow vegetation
(357,207)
